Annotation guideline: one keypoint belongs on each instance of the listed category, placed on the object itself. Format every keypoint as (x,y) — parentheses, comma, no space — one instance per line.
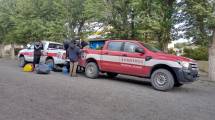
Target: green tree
(24,21)
(6,23)
(154,19)
(194,15)
(75,17)
(29,20)
(116,13)
(148,20)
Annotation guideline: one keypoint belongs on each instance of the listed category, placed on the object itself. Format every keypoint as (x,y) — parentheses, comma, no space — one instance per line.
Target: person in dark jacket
(38,47)
(66,47)
(83,44)
(74,53)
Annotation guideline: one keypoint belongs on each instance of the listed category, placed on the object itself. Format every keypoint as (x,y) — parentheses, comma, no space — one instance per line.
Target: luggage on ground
(50,65)
(42,69)
(28,68)
(65,70)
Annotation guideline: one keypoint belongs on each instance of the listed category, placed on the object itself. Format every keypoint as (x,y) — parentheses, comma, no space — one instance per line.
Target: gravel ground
(28,96)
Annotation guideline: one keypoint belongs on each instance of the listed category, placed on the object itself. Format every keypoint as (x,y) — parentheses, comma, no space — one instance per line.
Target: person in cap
(38,47)
(74,53)
(66,47)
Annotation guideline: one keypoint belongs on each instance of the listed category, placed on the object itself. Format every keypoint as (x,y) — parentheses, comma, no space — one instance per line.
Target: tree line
(160,21)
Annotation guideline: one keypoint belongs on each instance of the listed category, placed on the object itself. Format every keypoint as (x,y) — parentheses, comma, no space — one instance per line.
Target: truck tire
(177,84)
(111,75)
(22,61)
(162,80)
(92,70)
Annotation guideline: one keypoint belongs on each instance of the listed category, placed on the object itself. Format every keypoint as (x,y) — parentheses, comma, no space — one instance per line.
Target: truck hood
(165,56)
(21,51)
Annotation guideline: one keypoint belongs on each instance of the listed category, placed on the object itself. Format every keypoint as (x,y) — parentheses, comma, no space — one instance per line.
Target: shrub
(200,53)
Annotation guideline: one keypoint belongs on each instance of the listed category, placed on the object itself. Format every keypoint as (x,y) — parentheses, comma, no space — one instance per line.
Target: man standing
(74,53)
(38,47)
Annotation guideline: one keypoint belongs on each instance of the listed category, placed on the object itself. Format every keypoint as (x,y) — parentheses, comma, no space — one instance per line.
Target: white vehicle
(52,53)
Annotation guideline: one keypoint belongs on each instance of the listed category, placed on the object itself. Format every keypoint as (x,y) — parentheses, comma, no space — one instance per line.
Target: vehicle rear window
(150,47)
(115,46)
(55,46)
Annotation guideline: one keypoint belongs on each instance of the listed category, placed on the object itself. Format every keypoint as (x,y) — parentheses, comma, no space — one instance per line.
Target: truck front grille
(193,66)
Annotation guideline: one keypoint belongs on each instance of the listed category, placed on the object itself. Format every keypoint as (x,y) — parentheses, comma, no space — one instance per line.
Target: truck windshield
(150,47)
(55,46)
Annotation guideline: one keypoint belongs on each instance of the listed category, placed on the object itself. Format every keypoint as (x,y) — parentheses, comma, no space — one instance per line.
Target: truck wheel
(80,69)
(92,70)
(178,84)
(51,64)
(162,80)
(22,61)
(111,75)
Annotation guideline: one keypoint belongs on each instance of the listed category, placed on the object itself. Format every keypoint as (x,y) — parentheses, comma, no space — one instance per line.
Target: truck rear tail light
(44,53)
(85,51)
(64,56)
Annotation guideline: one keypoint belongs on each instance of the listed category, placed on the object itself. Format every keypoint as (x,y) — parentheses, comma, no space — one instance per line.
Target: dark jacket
(74,52)
(38,47)
(66,47)
(66,44)
(83,44)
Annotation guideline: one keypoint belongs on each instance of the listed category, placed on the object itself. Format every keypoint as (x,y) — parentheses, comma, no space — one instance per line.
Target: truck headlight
(184,64)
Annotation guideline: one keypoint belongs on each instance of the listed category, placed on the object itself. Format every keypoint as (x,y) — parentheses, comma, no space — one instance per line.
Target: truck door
(132,61)
(53,51)
(29,54)
(111,58)
(44,53)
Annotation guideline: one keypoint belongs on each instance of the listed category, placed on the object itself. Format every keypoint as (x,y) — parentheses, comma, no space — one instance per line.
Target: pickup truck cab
(138,59)
(52,53)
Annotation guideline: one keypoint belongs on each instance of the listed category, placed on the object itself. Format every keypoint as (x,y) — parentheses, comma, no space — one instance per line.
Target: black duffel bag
(42,69)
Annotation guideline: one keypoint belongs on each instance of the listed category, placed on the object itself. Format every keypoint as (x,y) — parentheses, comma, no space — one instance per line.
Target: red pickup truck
(142,60)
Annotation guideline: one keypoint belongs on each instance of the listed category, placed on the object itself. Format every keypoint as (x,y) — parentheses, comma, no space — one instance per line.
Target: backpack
(43,69)
(28,68)
(65,70)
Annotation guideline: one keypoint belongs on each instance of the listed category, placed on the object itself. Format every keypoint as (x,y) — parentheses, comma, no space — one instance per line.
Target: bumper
(59,61)
(186,75)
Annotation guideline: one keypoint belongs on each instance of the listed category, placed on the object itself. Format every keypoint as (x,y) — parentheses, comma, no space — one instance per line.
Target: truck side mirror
(139,50)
